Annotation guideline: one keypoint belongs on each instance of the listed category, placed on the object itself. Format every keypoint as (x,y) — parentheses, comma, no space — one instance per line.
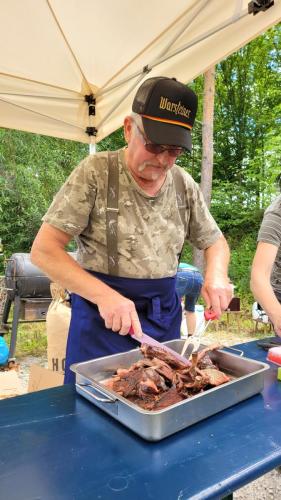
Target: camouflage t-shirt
(150,229)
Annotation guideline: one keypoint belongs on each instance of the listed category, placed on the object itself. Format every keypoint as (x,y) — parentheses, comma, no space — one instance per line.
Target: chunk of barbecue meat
(140,381)
(202,353)
(154,375)
(156,352)
(168,398)
(163,369)
(215,376)
(151,382)
(146,402)
(206,362)
(127,384)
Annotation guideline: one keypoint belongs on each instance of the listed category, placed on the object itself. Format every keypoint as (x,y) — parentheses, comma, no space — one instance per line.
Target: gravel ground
(268,487)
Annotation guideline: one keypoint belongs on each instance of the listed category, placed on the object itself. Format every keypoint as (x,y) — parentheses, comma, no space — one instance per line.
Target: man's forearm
(217,259)
(217,291)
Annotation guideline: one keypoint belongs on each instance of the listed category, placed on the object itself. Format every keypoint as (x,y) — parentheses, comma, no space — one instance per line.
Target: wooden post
(207,148)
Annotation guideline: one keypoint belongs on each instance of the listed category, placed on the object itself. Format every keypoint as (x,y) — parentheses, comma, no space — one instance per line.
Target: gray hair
(137,121)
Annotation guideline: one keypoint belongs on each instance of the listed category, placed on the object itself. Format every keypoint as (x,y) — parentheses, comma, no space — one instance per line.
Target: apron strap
(181,199)
(112,213)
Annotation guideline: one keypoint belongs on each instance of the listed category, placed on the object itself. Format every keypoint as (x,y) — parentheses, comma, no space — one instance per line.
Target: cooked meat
(160,380)
(146,403)
(206,350)
(168,398)
(150,351)
(215,376)
(127,385)
(163,369)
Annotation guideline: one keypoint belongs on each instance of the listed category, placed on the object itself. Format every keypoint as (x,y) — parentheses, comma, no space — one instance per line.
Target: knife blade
(189,350)
(146,339)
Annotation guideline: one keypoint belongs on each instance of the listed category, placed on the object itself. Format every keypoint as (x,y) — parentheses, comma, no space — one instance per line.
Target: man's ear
(128,127)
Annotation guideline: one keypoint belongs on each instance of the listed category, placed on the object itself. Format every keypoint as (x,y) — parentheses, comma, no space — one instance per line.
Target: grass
(31,339)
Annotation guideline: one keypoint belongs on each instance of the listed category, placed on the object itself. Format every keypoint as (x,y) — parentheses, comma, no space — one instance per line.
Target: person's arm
(260,283)
(217,290)
(49,254)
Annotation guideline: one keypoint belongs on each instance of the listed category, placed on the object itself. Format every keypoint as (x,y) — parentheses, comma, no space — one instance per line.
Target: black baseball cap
(168,109)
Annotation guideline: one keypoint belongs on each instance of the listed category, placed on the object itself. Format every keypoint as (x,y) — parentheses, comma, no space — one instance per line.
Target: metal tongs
(192,343)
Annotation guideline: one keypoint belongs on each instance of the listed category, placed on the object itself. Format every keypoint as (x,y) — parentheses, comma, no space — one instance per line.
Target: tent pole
(92,149)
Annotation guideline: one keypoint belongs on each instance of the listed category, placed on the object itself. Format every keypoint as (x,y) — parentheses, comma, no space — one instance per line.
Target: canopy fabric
(55,52)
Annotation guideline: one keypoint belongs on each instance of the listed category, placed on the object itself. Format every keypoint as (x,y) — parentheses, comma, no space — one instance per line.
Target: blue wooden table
(56,445)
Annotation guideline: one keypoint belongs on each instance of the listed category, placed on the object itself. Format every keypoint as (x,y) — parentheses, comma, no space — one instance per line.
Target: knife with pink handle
(146,339)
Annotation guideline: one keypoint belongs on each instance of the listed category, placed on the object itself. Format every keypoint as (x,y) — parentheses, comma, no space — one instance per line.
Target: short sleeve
(73,203)
(270,230)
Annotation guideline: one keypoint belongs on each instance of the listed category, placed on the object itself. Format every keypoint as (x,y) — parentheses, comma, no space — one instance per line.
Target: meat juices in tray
(160,379)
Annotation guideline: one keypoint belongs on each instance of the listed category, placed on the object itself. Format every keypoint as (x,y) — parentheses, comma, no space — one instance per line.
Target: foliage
(32,168)
(247,147)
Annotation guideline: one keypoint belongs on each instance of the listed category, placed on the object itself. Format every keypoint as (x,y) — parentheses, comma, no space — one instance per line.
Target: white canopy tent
(56,52)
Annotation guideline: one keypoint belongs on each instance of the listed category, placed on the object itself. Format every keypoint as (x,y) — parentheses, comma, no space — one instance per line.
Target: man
(130,223)
(266,268)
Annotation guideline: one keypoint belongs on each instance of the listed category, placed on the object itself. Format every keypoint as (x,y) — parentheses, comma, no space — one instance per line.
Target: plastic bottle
(200,319)
(4,351)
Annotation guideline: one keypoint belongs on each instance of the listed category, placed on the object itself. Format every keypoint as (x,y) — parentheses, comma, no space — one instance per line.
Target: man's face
(144,165)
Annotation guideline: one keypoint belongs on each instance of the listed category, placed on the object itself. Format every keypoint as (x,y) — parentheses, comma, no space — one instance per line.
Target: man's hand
(217,293)
(119,313)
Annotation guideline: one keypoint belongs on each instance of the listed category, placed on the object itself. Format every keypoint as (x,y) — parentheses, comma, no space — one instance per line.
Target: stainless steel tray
(155,425)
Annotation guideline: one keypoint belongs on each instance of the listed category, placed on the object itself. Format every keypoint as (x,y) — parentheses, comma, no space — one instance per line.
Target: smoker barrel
(24,279)
(29,288)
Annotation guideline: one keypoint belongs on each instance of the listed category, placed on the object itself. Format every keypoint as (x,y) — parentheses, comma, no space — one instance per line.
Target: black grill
(29,289)
(24,279)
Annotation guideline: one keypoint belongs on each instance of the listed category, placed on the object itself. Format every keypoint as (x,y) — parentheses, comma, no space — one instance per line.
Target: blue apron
(159,311)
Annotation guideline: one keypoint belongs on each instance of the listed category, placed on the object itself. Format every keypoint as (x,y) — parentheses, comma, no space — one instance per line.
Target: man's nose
(164,158)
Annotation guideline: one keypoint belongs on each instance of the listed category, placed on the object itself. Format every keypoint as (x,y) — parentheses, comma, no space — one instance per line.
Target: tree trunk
(207,149)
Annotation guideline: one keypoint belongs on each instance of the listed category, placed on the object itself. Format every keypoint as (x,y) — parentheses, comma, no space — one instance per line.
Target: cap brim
(167,133)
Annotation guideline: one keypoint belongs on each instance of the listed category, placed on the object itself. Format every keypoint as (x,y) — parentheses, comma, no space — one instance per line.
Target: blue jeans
(188,285)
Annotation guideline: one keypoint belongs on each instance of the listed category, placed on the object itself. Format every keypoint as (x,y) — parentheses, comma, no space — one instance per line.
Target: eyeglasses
(157,149)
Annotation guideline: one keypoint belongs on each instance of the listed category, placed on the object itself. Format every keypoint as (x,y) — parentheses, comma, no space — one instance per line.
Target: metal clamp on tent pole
(146,69)
(91,131)
(256,6)
(91,101)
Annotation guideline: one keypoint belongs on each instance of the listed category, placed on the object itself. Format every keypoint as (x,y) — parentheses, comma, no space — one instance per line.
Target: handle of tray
(97,398)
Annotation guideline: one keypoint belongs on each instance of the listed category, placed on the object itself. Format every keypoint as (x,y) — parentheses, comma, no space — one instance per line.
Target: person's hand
(217,293)
(119,313)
